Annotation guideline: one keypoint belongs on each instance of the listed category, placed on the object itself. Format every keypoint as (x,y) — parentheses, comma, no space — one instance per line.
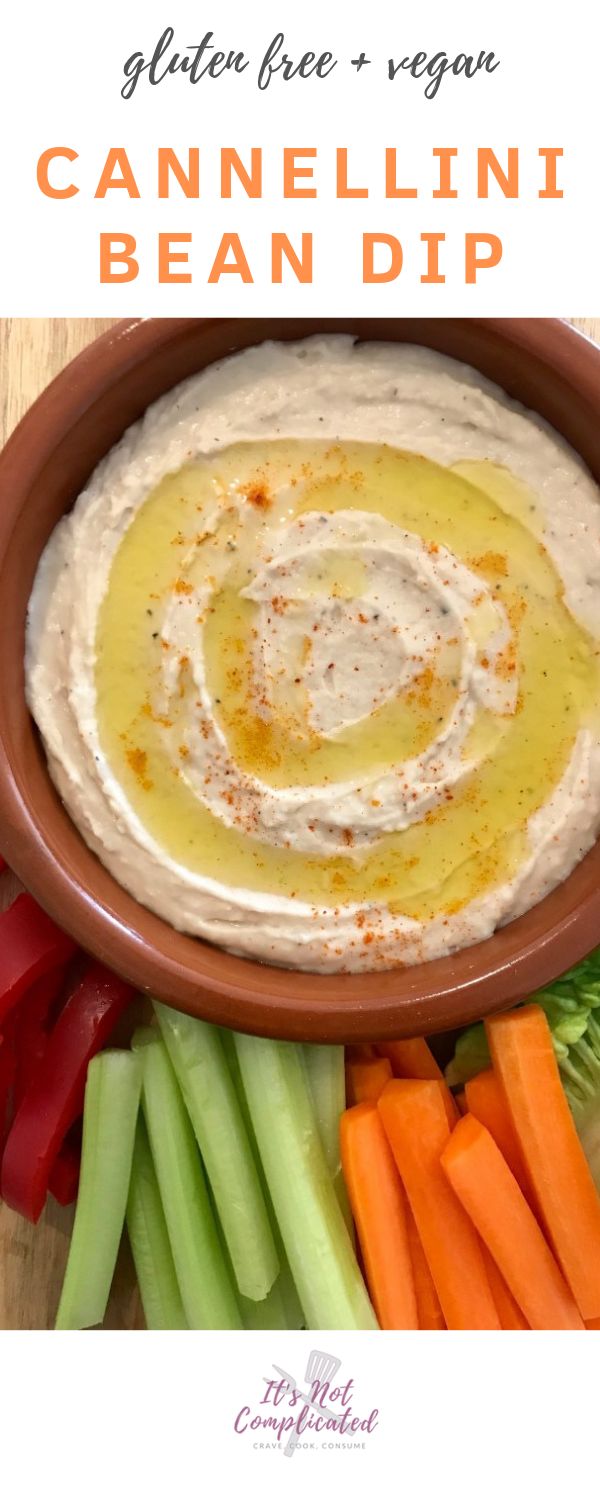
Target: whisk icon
(320,1367)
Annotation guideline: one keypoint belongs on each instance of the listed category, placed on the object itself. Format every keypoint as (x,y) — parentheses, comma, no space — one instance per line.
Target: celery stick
(268,1314)
(229,1048)
(198,1058)
(112,1097)
(206,1291)
(280,1309)
(149,1240)
(327,1082)
(292,1311)
(324,1267)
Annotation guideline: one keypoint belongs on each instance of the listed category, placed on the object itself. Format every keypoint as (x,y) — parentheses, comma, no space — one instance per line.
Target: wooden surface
(32,1260)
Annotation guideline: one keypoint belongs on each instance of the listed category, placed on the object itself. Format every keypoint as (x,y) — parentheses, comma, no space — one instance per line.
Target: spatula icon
(319,1367)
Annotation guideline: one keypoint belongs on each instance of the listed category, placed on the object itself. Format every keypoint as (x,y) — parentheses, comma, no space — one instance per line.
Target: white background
(152,1415)
(61,82)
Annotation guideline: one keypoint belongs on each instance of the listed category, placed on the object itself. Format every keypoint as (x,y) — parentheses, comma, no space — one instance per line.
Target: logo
(319,1412)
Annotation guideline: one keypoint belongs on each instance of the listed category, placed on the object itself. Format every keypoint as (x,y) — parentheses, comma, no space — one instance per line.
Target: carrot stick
(416,1124)
(489,1193)
(366,1080)
(592,1323)
(429,1312)
(379,1209)
(411,1059)
(523,1057)
(360,1052)
(509,1312)
(486,1101)
(414,1059)
(460,1100)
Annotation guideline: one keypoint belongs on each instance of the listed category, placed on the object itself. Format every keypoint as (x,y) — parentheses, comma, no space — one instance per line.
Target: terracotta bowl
(546,365)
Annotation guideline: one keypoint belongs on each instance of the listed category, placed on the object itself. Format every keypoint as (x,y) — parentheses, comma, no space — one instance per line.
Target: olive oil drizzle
(477,837)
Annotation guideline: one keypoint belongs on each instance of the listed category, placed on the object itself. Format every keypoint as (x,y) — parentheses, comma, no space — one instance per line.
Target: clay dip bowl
(544,364)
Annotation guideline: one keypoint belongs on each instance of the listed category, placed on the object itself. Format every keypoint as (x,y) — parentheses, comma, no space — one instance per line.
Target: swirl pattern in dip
(315,657)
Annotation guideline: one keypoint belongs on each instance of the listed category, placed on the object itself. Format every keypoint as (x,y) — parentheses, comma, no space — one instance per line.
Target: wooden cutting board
(32,1260)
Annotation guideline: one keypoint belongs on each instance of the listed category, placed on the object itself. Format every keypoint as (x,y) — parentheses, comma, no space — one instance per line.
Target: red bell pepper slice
(54,1099)
(32,1028)
(8,1061)
(64,1177)
(30,946)
(2,863)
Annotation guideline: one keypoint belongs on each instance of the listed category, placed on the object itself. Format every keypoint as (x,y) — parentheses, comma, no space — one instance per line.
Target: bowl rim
(235,991)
